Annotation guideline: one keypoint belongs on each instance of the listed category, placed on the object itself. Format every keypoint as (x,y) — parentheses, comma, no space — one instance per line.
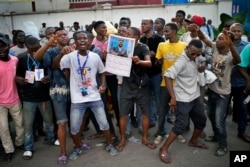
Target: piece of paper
(30,76)
(120,50)
(39,74)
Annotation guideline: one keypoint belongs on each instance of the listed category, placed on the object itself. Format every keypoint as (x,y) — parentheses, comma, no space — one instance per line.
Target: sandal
(62,160)
(120,147)
(85,147)
(198,145)
(95,136)
(150,145)
(27,155)
(165,157)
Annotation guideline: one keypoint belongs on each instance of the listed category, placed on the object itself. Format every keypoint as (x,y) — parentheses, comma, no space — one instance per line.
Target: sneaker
(75,153)
(158,139)
(221,151)
(181,139)
(7,157)
(111,149)
(57,143)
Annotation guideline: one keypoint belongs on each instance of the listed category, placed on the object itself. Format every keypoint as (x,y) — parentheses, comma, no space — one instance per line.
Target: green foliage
(239,18)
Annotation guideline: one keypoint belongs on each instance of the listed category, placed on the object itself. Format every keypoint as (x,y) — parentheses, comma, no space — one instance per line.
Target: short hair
(76,22)
(97,23)
(196,43)
(136,31)
(126,18)
(237,24)
(172,26)
(31,41)
(59,29)
(48,29)
(161,20)
(78,32)
(182,12)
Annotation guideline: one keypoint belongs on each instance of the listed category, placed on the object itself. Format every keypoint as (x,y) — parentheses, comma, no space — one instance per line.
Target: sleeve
(158,52)
(176,68)
(47,59)
(65,62)
(145,50)
(101,68)
(245,57)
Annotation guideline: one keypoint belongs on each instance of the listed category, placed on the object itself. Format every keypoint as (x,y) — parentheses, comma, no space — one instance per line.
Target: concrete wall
(53,11)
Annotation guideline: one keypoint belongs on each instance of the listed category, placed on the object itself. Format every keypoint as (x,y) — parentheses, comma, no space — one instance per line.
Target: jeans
(17,115)
(240,108)
(78,110)
(29,112)
(155,82)
(164,109)
(217,109)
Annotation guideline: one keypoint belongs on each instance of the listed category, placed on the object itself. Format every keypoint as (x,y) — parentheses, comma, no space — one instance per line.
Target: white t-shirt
(83,85)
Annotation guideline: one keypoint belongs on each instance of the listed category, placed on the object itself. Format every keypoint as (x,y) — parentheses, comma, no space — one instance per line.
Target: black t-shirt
(36,92)
(153,43)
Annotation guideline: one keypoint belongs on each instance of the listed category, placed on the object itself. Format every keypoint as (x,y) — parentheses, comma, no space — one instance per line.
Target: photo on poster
(120,50)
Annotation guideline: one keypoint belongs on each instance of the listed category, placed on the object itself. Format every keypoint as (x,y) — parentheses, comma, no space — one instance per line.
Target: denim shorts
(78,110)
(60,108)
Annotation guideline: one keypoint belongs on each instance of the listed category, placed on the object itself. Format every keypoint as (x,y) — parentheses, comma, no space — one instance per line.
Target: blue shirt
(236,78)
(59,85)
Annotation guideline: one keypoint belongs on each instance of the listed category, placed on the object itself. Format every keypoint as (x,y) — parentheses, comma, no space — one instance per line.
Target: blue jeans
(155,82)
(78,110)
(164,109)
(217,110)
(240,108)
(29,112)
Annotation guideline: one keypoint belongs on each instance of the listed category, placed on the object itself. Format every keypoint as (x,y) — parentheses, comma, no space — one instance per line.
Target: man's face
(76,26)
(124,23)
(146,26)
(237,31)
(193,52)
(220,41)
(122,31)
(4,50)
(62,37)
(168,32)
(20,37)
(81,41)
(179,17)
(50,32)
(33,48)
(131,34)
(120,43)
(158,25)
(102,29)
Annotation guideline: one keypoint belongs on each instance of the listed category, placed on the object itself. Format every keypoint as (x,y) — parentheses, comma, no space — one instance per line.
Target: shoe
(221,151)
(57,143)
(244,137)
(158,139)
(21,147)
(27,155)
(7,157)
(181,139)
(211,139)
(128,135)
(75,153)
(111,149)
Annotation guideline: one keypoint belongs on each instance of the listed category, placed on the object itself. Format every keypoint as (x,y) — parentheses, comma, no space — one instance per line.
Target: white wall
(86,16)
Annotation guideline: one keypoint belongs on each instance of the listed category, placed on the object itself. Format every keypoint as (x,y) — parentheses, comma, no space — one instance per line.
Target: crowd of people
(58,82)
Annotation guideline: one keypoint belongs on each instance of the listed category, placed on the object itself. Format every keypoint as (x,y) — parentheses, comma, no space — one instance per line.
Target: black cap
(4,38)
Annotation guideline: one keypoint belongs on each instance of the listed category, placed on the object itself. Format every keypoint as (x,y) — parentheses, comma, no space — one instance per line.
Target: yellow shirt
(169,52)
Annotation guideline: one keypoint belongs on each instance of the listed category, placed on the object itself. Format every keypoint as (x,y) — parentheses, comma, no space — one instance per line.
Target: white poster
(119,57)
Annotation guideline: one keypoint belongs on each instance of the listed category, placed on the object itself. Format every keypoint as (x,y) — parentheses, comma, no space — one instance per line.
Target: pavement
(134,154)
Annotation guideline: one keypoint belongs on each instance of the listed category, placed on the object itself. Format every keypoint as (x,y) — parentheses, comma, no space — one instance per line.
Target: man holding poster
(135,89)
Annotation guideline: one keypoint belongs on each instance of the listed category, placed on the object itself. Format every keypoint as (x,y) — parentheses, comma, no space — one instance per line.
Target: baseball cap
(197,19)
(4,39)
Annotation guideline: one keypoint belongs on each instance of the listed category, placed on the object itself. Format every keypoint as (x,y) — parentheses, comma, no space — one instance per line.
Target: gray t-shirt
(221,66)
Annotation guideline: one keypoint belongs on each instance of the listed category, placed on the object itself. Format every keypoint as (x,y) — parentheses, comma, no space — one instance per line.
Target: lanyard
(81,68)
(34,63)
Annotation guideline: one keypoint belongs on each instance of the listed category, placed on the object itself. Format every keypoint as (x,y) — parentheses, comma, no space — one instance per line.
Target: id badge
(84,90)
(39,74)
(30,76)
